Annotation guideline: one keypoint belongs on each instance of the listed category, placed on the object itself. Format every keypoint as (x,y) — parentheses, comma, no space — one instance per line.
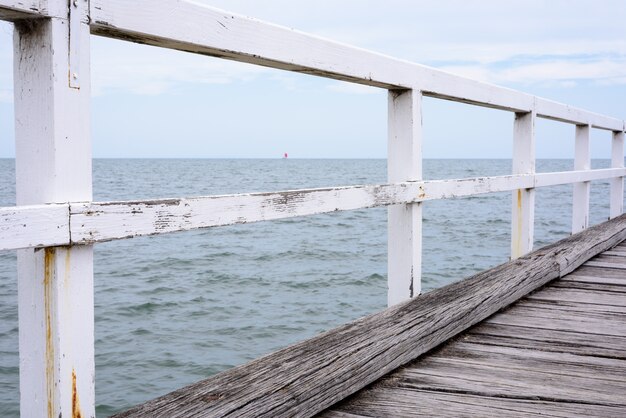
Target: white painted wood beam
(49,225)
(34,226)
(523,207)
(404,221)
(582,161)
(53,165)
(197,28)
(105,221)
(566,177)
(617,183)
(13,10)
(549,109)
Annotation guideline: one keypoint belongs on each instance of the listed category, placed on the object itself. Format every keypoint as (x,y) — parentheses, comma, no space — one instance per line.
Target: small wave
(148,307)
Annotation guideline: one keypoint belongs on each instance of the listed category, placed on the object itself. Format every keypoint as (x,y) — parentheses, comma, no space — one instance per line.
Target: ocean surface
(173,309)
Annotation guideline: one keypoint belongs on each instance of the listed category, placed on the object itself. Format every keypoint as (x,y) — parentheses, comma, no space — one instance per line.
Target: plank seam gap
(504,396)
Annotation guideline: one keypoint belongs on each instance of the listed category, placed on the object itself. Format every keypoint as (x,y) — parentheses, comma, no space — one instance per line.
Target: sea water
(177,308)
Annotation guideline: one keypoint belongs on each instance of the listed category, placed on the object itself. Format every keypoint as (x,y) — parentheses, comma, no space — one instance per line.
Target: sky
(151,102)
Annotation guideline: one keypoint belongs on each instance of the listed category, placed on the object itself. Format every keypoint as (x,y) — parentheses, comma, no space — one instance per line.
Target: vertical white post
(53,164)
(523,211)
(582,161)
(617,184)
(404,162)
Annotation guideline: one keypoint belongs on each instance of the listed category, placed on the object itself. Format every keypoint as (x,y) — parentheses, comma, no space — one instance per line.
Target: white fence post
(617,184)
(404,162)
(582,161)
(523,211)
(53,164)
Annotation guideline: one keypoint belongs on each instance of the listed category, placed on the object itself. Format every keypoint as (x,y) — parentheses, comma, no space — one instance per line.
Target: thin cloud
(561,72)
(142,70)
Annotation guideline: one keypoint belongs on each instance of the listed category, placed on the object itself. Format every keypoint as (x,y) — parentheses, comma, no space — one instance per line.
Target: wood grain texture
(574,306)
(581,295)
(547,340)
(595,280)
(608,265)
(539,357)
(402,402)
(600,272)
(497,379)
(619,287)
(590,323)
(308,377)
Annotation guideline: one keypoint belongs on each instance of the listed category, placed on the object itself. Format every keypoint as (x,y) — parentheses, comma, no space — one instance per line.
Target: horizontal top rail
(196,28)
(90,222)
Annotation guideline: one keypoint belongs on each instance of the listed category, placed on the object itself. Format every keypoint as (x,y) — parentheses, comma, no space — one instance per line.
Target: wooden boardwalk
(544,334)
(561,351)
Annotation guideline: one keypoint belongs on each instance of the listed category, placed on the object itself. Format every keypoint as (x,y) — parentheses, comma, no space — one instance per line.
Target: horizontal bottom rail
(88,223)
(310,376)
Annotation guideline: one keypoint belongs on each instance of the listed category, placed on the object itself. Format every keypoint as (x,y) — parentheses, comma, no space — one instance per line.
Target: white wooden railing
(55,222)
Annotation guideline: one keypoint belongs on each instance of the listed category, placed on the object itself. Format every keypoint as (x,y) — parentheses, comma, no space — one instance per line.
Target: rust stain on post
(517,243)
(47,286)
(66,276)
(75,402)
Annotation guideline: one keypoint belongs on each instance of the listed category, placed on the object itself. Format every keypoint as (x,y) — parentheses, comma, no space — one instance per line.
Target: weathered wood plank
(500,381)
(615,253)
(547,340)
(574,295)
(579,285)
(34,226)
(589,323)
(607,258)
(575,306)
(401,402)
(308,377)
(339,414)
(105,221)
(196,28)
(113,220)
(460,353)
(599,280)
(586,270)
(606,264)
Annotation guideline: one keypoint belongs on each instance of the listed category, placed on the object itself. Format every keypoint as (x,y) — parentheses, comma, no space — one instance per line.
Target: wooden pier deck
(56,224)
(560,351)
(541,335)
